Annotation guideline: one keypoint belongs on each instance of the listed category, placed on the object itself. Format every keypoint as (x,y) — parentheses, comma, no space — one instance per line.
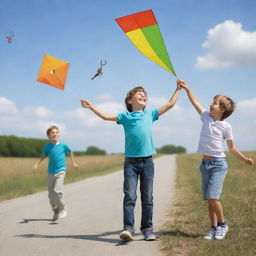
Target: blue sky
(211,43)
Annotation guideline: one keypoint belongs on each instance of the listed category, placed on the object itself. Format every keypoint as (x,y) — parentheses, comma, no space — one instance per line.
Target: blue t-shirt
(57,156)
(138,132)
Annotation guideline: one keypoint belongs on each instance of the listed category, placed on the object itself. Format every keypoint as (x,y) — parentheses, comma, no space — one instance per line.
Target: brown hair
(51,128)
(227,104)
(130,95)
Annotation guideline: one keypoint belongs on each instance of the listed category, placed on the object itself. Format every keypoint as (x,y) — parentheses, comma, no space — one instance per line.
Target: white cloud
(92,121)
(78,113)
(85,116)
(247,106)
(7,107)
(39,112)
(156,102)
(89,119)
(111,107)
(104,97)
(228,45)
(43,112)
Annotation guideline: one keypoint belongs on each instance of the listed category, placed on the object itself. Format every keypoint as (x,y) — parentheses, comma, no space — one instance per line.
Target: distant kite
(143,31)
(9,38)
(53,72)
(99,70)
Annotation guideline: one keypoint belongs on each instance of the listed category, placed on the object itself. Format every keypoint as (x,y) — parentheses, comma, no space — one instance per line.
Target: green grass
(189,219)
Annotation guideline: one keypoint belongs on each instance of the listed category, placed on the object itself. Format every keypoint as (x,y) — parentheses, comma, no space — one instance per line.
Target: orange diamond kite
(53,72)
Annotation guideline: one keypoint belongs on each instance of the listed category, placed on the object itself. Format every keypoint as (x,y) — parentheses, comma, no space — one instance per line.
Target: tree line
(21,147)
(14,146)
(171,149)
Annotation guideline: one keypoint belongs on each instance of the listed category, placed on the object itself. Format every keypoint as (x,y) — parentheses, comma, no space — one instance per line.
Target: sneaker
(126,236)
(210,235)
(62,214)
(55,215)
(149,236)
(221,232)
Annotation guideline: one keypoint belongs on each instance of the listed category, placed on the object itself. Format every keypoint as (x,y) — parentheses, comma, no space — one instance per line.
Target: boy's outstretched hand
(86,104)
(249,161)
(76,166)
(34,169)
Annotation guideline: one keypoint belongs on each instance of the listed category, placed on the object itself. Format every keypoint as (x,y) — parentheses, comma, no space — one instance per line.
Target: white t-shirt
(213,134)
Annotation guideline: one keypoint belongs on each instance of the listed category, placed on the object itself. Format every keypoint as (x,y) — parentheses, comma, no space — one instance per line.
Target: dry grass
(17,179)
(189,216)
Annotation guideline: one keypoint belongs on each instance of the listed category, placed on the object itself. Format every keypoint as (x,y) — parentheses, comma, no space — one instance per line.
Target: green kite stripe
(155,39)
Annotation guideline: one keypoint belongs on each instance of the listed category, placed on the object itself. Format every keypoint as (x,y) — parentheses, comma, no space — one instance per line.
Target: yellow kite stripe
(139,40)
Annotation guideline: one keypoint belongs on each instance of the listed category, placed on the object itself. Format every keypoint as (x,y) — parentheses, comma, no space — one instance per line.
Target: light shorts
(213,173)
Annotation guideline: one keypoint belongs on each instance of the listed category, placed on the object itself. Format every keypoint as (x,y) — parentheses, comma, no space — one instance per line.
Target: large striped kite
(143,31)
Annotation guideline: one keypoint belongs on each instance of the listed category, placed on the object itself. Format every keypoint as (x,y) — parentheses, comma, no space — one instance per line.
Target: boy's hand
(182,83)
(34,169)
(178,84)
(86,104)
(76,166)
(249,161)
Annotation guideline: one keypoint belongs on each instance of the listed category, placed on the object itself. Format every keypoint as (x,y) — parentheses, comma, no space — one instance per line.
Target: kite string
(74,93)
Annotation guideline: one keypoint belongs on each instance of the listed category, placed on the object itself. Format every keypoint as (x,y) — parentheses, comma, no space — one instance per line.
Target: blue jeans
(135,168)
(213,173)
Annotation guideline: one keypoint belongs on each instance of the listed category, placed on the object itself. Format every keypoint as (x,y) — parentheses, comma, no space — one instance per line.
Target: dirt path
(93,223)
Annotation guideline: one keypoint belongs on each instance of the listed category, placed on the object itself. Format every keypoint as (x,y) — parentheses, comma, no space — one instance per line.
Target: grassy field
(189,215)
(17,178)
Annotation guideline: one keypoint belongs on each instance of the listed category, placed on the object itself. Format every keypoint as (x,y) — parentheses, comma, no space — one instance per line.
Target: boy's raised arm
(97,111)
(172,101)
(194,101)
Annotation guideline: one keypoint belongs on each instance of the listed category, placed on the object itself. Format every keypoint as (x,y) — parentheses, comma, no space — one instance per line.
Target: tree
(171,149)
(92,150)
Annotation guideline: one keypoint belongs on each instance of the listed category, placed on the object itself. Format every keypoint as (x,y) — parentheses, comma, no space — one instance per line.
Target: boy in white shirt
(214,132)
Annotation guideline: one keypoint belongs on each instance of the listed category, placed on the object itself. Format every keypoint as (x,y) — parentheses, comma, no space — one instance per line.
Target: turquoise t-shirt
(138,132)
(57,156)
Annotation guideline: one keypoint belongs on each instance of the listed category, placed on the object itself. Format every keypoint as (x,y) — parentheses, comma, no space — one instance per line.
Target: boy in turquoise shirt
(138,164)
(138,132)
(56,152)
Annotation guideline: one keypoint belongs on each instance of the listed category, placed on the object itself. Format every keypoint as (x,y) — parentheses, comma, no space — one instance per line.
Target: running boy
(214,132)
(138,164)
(56,152)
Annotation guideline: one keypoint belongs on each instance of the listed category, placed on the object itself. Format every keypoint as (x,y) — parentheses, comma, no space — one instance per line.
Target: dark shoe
(55,215)
(149,236)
